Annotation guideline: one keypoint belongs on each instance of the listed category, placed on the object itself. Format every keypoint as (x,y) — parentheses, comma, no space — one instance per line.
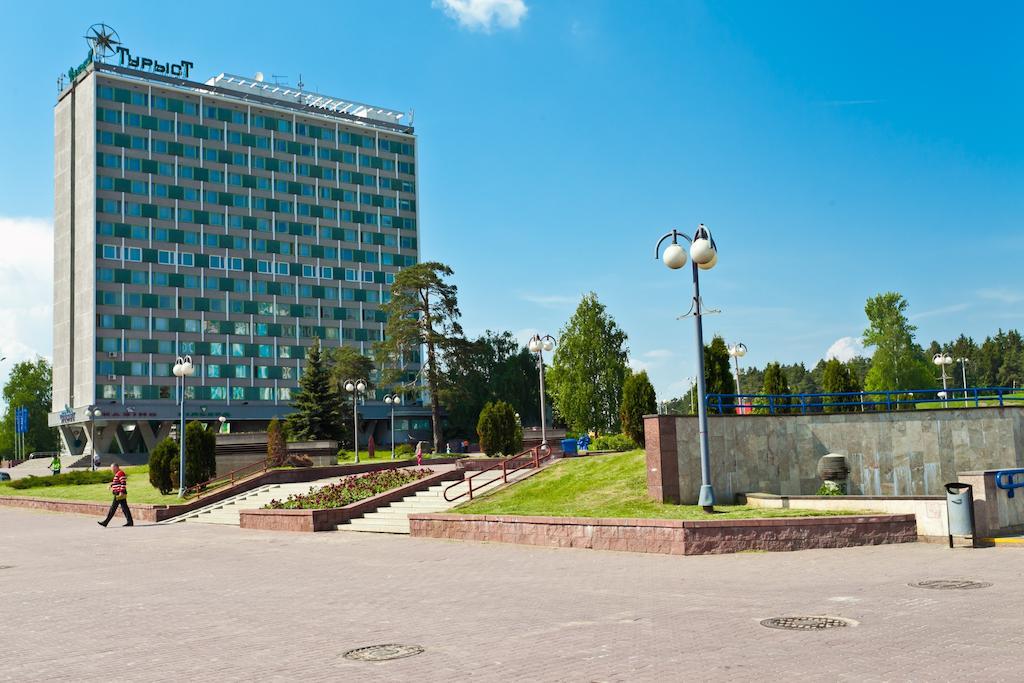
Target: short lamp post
(942,360)
(93,413)
(393,400)
(737,351)
(355,387)
(539,345)
(703,256)
(182,368)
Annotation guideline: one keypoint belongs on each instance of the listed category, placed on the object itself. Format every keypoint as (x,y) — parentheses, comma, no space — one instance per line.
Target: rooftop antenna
(412,115)
(300,83)
(277,79)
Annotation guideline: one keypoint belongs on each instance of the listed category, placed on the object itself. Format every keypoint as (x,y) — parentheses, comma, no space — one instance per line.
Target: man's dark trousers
(124,509)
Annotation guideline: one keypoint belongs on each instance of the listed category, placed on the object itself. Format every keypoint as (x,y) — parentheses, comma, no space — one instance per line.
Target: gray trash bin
(960,511)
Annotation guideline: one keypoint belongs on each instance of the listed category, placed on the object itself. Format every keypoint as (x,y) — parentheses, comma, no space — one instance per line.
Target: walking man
(119,487)
(55,465)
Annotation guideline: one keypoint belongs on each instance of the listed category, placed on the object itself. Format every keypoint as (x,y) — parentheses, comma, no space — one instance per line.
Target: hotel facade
(235,221)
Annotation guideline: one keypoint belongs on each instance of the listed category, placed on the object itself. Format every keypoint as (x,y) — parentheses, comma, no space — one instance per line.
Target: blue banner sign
(21,420)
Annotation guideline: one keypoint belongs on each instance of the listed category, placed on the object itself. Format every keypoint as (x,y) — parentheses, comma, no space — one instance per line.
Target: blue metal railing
(1004,480)
(859,401)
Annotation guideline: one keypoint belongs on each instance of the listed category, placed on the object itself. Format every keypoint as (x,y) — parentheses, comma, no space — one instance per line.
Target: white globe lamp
(674,256)
(701,251)
(710,264)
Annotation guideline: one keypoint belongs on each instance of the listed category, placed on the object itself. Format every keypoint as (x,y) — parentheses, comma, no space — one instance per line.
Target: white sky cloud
(945,310)
(845,348)
(26,290)
(658,354)
(551,300)
(484,15)
(1006,296)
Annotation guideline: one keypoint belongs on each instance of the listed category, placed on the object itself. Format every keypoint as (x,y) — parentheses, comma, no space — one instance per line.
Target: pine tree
(423,311)
(316,403)
(638,399)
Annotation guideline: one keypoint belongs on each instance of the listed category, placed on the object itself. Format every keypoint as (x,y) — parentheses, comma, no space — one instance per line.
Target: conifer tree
(317,404)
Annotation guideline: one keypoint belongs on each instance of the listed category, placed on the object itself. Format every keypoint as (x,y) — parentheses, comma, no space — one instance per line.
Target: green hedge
(67,479)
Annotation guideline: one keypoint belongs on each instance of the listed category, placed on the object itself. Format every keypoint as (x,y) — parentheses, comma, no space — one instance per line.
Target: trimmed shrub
(498,429)
(200,454)
(66,479)
(613,442)
(160,459)
(405,450)
(277,446)
(638,399)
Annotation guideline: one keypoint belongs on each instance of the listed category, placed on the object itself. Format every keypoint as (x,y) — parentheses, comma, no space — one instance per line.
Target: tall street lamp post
(355,387)
(703,256)
(942,360)
(393,400)
(963,372)
(737,351)
(539,345)
(691,382)
(182,368)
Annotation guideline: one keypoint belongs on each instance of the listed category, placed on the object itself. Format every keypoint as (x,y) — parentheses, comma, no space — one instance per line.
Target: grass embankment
(604,486)
(381,455)
(139,490)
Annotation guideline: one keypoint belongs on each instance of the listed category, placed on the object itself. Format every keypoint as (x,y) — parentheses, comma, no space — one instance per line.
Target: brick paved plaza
(198,602)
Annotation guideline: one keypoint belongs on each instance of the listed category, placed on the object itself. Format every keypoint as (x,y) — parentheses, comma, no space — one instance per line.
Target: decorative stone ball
(833,467)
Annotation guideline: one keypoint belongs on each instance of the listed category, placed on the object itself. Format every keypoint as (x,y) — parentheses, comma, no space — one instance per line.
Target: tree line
(898,363)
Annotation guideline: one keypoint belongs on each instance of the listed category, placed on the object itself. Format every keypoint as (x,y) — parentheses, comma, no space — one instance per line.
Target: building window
(112,252)
(263,266)
(350,274)
(166,258)
(307,271)
(367,276)
(327,273)
(282,268)
(186,259)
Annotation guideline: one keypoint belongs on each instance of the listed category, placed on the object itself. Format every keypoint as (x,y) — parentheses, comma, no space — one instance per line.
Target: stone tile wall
(890,454)
(667,536)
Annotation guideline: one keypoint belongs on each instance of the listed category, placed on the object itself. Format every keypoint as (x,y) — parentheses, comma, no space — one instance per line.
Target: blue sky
(837,150)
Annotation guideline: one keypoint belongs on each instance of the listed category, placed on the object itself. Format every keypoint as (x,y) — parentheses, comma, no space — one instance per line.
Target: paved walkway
(203,602)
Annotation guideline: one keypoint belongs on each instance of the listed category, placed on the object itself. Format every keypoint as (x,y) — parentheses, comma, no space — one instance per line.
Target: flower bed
(350,490)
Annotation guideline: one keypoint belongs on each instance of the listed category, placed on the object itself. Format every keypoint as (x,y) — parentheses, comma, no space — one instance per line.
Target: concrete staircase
(394,518)
(226,511)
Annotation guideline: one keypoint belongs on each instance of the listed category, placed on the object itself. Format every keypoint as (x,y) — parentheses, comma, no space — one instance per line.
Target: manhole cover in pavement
(951,584)
(382,653)
(805,623)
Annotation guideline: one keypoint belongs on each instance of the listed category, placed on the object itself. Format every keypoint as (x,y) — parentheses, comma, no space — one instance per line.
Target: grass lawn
(139,490)
(604,486)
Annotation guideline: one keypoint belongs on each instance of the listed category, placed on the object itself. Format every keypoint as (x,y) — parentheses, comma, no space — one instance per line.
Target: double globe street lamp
(356,387)
(393,400)
(539,345)
(942,360)
(182,368)
(703,256)
(737,351)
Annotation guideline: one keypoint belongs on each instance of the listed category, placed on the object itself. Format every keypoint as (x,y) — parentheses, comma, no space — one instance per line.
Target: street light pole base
(706,499)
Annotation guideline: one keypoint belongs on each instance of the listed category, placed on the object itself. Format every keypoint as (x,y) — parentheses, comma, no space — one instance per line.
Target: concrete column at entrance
(68,440)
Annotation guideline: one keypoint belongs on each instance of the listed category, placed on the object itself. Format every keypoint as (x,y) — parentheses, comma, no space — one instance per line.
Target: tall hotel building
(233,220)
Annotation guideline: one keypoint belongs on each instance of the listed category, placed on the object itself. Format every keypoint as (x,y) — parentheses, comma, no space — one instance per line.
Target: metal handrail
(535,461)
(886,401)
(228,478)
(1004,480)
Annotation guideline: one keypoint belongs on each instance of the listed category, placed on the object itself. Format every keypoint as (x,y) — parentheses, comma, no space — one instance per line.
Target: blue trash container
(569,446)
